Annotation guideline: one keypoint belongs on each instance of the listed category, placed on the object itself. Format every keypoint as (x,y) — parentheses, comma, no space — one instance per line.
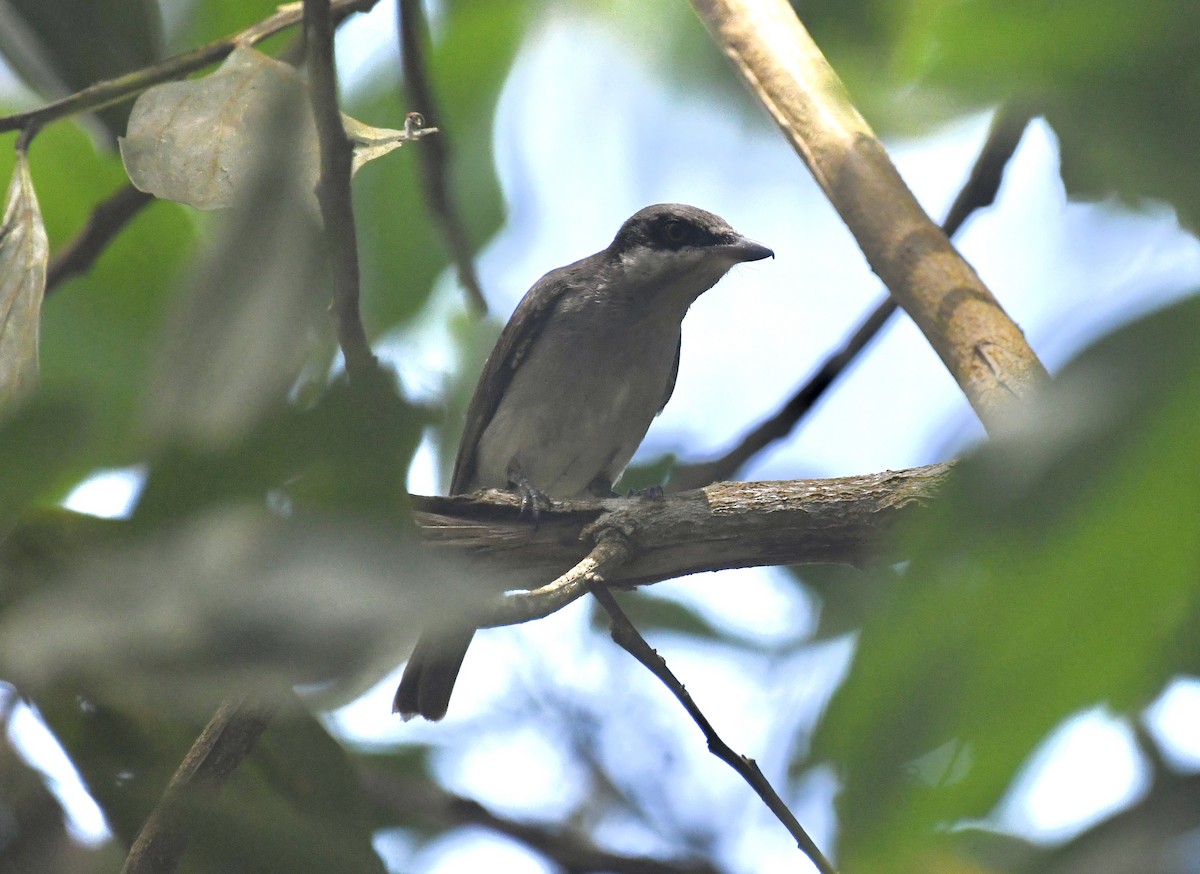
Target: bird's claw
(533,500)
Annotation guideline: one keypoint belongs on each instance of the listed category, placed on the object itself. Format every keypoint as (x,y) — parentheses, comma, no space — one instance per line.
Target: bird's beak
(748,250)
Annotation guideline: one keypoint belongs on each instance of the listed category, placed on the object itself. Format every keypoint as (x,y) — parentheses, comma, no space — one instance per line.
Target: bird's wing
(522,330)
(674,374)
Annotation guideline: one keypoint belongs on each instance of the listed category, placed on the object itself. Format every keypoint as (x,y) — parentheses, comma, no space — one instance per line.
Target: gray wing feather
(528,320)
(674,375)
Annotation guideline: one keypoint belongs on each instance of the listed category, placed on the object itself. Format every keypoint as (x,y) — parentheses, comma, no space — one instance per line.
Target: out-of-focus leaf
(305,765)
(296,795)
(350,453)
(848,595)
(644,476)
(1119,82)
(45,452)
(202,21)
(230,600)
(243,330)
(67,45)
(1061,572)
(651,613)
(24,252)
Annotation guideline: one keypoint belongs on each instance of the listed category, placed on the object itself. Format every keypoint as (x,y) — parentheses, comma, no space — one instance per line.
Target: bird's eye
(675,232)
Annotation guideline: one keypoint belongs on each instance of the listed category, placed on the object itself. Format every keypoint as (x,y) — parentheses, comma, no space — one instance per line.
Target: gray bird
(586,362)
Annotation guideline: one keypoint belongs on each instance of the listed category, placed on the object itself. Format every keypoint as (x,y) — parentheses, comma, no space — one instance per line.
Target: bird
(587,360)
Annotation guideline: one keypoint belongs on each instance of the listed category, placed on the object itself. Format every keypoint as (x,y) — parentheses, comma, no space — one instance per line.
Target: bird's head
(678,252)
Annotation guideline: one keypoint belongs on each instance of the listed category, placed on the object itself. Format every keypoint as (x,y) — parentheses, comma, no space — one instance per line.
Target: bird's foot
(533,500)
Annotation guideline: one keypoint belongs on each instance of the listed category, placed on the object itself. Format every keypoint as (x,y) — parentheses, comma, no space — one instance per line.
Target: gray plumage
(586,362)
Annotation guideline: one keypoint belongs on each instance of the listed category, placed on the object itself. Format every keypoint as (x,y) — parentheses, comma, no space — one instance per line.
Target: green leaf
(24,252)
(203,22)
(1118,82)
(45,453)
(1061,573)
(294,804)
(651,613)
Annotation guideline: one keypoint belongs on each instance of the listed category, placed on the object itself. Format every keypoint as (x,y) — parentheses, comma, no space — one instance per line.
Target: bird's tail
(430,673)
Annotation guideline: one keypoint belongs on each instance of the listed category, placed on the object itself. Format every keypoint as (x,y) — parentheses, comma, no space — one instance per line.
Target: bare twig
(978,191)
(111,91)
(421,799)
(227,739)
(610,552)
(980,345)
(434,156)
(333,189)
(108,219)
(628,638)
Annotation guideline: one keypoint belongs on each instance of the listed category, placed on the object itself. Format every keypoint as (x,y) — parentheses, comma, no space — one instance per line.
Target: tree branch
(435,157)
(980,345)
(227,739)
(725,525)
(108,219)
(333,189)
(121,88)
(978,191)
(628,638)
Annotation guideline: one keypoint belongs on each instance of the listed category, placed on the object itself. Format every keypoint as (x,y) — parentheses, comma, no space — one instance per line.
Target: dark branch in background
(628,638)
(108,219)
(111,91)
(412,798)
(227,739)
(333,189)
(978,191)
(434,155)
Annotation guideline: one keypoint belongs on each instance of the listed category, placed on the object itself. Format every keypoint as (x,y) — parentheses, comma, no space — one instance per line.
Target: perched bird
(586,362)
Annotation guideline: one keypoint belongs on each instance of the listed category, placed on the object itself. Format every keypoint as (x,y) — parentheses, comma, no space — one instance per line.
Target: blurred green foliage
(1119,82)
(1061,574)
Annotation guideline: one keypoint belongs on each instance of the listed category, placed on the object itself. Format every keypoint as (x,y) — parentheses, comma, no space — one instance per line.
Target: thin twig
(435,157)
(110,91)
(611,551)
(108,219)
(333,189)
(978,192)
(223,744)
(628,638)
